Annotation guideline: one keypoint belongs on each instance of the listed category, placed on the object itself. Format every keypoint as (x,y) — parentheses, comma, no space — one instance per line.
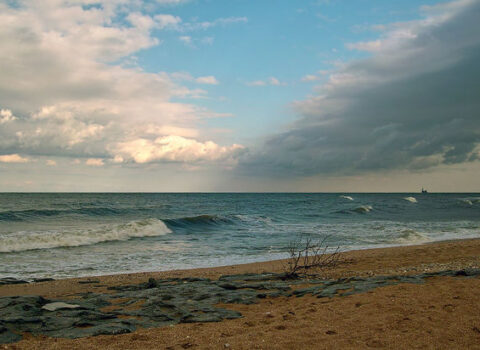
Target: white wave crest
(22,241)
(411,237)
(363,209)
(411,199)
(347,197)
(470,200)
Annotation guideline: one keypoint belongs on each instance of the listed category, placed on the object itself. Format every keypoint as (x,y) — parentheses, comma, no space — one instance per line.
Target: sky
(239,95)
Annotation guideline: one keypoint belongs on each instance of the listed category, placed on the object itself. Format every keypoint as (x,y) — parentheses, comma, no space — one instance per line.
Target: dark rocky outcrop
(160,302)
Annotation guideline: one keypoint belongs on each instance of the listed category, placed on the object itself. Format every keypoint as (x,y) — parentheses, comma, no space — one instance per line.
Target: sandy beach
(442,312)
(160,160)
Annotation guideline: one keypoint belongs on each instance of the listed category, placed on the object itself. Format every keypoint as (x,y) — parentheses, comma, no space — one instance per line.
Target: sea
(59,235)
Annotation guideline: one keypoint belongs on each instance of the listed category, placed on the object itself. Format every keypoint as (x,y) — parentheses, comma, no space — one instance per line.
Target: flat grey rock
(59,305)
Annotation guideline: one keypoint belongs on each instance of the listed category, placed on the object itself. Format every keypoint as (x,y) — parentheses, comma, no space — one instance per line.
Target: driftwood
(307,253)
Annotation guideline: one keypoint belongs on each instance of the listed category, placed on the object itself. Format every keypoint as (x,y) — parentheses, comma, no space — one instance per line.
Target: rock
(11,280)
(46,279)
(59,306)
(152,283)
(89,281)
(170,301)
(7,336)
(228,286)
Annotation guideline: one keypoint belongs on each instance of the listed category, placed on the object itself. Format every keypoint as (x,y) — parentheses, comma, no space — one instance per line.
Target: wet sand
(443,313)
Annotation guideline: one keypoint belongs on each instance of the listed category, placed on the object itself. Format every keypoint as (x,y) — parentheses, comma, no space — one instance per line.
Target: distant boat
(424,190)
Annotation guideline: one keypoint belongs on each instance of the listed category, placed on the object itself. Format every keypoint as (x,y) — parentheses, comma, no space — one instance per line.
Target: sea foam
(409,236)
(411,199)
(22,241)
(347,197)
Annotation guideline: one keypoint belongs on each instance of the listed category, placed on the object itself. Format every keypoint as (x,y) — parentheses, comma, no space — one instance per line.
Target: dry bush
(306,253)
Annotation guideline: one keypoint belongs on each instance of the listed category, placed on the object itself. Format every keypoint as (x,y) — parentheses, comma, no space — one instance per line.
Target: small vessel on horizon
(424,191)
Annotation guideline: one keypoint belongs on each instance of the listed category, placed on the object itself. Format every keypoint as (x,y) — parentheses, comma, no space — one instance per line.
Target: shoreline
(431,313)
(276,266)
(265,260)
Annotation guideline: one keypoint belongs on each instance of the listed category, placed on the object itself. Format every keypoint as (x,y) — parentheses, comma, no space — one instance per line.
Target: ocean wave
(410,199)
(409,236)
(31,214)
(48,240)
(199,220)
(363,209)
(347,197)
(217,221)
(470,200)
(466,201)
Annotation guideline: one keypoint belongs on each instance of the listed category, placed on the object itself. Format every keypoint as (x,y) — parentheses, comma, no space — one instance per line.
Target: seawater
(81,234)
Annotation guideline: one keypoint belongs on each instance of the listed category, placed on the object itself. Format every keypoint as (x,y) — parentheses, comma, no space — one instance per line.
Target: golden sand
(443,313)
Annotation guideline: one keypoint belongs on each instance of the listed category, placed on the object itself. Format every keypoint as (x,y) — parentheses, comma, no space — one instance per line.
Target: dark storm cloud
(414,104)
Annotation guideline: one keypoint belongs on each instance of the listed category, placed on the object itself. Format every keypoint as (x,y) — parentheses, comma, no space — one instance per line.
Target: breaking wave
(363,209)
(56,239)
(411,199)
(410,237)
(347,197)
(470,201)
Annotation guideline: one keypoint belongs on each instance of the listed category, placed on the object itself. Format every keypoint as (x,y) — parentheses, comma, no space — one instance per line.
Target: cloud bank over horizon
(414,104)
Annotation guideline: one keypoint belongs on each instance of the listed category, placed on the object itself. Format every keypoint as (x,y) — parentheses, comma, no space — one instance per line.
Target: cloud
(175,23)
(193,42)
(310,77)
(6,116)
(186,39)
(94,162)
(13,158)
(95,100)
(167,21)
(320,75)
(413,104)
(272,81)
(209,80)
(171,2)
(174,149)
(210,24)
(51,162)
(185,76)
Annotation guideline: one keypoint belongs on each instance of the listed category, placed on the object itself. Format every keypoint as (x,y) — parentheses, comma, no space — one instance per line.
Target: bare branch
(306,253)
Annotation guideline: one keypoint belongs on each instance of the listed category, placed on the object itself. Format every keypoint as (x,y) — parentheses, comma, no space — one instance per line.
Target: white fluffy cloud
(209,80)
(6,116)
(174,149)
(12,158)
(94,162)
(64,90)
